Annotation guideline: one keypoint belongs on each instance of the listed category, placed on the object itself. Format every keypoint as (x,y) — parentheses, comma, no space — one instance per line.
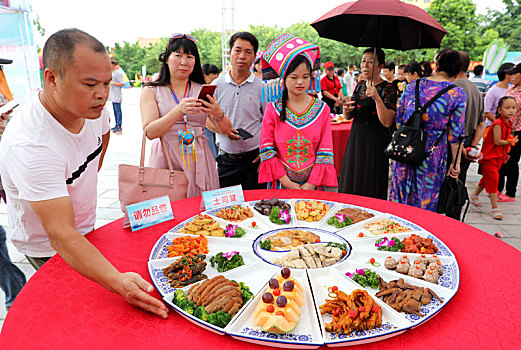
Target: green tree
(130,57)
(462,23)
(209,46)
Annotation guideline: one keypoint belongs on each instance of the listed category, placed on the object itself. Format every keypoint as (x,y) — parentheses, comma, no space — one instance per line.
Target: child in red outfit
(496,145)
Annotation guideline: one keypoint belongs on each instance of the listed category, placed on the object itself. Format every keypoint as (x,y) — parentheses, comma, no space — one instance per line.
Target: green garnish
(265,244)
(369,278)
(275,216)
(391,245)
(246,294)
(226,261)
(341,246)
(333,221)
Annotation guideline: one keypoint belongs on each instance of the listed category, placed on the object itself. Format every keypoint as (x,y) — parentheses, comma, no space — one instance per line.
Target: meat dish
(217,294)
(404,297)
(186,270)
(355,312)
(285,240)
(310,256)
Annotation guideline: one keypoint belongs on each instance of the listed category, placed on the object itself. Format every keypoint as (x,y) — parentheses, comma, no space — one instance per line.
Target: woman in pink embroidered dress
(296,144)
(170,108)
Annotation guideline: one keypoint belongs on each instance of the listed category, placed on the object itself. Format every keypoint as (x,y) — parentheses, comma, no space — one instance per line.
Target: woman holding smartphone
(170,107)
(296,146)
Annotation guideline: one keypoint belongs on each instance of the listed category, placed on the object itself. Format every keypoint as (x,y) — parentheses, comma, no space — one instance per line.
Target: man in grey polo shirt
(239,94)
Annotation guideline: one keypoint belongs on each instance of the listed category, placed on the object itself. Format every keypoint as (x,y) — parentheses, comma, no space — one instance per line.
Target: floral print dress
(419,186)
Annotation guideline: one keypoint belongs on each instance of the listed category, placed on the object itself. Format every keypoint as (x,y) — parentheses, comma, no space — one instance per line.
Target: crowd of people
(235,137)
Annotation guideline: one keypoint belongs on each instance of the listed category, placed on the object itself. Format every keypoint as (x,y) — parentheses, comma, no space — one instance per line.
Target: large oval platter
(379,254)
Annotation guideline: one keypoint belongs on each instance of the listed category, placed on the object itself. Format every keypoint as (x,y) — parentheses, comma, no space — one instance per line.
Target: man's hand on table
(135,289)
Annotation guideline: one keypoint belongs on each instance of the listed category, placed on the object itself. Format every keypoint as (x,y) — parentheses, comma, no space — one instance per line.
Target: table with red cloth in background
(341,134)
(60,309)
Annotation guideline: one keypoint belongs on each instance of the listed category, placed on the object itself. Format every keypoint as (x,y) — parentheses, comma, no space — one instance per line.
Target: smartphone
(8,106)
(243,134)
(206,89)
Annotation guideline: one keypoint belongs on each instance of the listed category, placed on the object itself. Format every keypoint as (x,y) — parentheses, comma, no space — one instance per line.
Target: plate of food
(215,303)
(277,212)
(241,214)
(207,225)
(311,212)
(422,242)
(182,260)
(379,225)
(344,215)
(349,314)
(281,315)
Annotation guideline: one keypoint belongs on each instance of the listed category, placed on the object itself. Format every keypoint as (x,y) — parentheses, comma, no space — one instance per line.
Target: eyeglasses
(181,35)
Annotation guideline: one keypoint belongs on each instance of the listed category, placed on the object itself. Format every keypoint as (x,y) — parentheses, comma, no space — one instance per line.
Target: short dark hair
(340,71)
(478,70)
(415,67)
(450,62)
(402,66)
(465,61)
(209,69)
(245,36)
(58,51)
(390,65)
(427,69)
(501,75)
(380,54)
(352,66)
(183,45)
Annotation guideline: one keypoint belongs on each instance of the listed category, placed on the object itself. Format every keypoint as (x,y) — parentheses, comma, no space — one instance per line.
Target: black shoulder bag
(453,193)
(409,141)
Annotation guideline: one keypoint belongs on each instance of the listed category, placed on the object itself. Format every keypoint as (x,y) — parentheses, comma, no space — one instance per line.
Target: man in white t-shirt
(50,154)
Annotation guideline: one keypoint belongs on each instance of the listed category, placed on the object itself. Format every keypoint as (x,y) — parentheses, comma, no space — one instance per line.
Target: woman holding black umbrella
(365,168)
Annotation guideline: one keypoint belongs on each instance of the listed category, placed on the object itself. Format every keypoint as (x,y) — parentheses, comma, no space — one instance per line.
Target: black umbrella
(390,24)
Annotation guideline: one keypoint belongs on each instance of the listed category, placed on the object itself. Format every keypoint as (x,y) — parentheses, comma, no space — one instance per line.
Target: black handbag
(453,195)
(408,143)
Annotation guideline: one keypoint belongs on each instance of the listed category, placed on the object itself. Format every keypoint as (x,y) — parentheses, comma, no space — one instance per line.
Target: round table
(60,309)
(341,134)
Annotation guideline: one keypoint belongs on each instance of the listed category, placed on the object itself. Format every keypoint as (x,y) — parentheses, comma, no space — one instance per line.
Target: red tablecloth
(341,134)
(59,309)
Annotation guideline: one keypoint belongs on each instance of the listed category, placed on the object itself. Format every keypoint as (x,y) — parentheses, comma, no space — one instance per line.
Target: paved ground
(125,148)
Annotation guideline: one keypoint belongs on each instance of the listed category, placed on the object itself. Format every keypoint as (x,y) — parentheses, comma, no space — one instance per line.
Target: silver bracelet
(217,119)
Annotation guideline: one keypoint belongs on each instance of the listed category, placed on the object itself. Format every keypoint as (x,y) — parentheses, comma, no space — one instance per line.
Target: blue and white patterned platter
(310,330)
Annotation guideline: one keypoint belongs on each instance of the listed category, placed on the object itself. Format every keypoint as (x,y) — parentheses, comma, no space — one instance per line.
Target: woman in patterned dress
(365,170)
(296,143)
(419,186)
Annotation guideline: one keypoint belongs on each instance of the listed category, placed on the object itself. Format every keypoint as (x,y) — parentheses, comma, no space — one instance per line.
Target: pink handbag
(140,183)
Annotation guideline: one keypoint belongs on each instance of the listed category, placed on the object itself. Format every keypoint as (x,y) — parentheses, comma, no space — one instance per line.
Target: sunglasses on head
(181,35)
